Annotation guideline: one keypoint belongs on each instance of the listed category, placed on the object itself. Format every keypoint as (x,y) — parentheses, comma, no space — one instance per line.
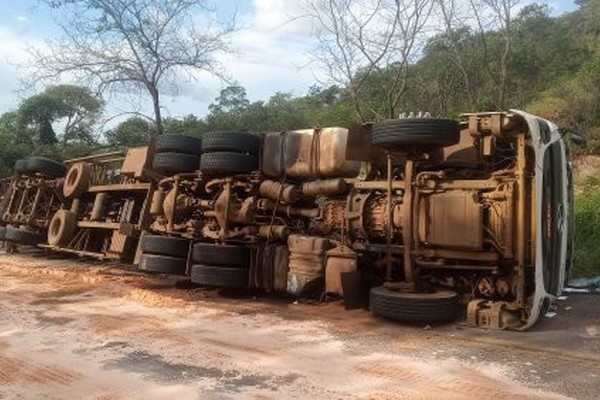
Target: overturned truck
(433,216)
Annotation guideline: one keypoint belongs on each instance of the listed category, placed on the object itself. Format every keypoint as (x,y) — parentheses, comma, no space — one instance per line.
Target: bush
(586,261)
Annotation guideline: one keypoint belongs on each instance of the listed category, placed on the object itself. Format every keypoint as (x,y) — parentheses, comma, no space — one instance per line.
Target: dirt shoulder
(76,329)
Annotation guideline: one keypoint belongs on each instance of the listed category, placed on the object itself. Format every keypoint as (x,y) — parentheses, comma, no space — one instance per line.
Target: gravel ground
(80,329)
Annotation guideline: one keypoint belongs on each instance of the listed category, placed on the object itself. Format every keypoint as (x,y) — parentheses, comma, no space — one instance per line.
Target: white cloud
(21,18)
(13,55)
(281,17)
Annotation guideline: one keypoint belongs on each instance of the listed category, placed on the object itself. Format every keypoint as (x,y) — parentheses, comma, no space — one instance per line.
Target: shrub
(586,261)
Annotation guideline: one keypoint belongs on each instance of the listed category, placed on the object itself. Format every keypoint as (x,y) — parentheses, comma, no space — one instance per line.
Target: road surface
(81,329)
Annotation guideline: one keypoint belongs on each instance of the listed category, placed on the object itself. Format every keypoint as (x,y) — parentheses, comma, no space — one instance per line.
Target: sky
(272,55)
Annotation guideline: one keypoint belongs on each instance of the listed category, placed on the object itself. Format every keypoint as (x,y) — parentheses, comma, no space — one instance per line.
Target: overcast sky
(273,54)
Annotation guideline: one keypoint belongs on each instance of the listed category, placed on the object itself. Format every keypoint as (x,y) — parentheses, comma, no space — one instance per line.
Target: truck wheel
(178,144)
(174,163)
(221,254)
(163,264)
(62,228)
(20,236)
(165,246)
(77,180)
(440,306)
(237,142)
(44,166)
(397,133)
(222,163)
(219,276)
(2,232)
(20,167)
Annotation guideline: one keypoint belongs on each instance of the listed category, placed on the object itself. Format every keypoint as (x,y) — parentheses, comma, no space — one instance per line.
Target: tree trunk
(156,104)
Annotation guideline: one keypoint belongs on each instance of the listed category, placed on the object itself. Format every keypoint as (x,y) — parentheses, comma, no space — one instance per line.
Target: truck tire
(237,142)
(178,144)
(234,278)
(77,180)
(221,254)
(162,264)
(20,167)
(44,166)
(62,228)
(440,306)
(397,133)
(20,236)
(165,246)
(223,163)
(174,163)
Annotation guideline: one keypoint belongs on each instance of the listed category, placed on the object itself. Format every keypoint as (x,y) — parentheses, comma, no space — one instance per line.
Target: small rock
(295,302)
(427,328)
(568,308)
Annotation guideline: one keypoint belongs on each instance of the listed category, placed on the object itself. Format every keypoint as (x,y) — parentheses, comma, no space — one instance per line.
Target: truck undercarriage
(434,216)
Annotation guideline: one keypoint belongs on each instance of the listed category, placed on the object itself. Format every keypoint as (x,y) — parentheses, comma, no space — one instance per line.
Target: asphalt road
(85,330)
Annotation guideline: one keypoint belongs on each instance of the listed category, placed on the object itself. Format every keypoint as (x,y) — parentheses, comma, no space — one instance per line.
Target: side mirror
(576,137)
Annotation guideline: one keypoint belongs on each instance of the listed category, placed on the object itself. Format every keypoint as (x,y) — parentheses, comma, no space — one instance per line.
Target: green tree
(74,107)
(134,131)
(190,125)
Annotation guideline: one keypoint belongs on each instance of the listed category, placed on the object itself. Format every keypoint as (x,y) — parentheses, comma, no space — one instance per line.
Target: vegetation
(586,261)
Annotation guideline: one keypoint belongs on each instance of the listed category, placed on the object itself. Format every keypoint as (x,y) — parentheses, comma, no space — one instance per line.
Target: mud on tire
(77,180)
(221,277)
(440,306)
(62,228)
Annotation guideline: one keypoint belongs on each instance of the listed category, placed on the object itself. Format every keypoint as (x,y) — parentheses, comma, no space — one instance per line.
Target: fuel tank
(308,154)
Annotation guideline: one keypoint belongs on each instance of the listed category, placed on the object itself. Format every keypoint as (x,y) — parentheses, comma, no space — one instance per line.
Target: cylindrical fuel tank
(307,263)
(324,187)
(280,192)
(308,154)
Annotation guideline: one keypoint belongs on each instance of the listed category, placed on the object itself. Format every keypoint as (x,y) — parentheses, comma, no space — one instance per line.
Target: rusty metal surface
(308,153)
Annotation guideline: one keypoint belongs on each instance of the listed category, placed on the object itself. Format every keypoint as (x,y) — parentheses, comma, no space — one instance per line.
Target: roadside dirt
(78,329)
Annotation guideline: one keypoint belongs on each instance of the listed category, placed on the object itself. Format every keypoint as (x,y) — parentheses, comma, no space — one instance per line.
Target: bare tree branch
(360,38)
(133,44)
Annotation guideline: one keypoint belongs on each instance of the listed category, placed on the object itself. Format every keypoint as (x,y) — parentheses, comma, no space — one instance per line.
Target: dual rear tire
(220,265)
(164,255)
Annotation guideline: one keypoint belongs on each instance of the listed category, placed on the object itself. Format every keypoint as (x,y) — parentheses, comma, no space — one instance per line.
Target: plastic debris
(576,290)
(585,283)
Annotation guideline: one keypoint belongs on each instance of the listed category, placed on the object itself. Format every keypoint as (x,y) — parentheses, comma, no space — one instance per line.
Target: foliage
(587,234)
(57,123)
(131,132)
(74,106)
